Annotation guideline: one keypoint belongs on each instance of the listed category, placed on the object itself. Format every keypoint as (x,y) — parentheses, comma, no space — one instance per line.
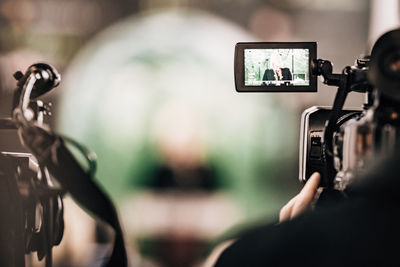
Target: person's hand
(302,201)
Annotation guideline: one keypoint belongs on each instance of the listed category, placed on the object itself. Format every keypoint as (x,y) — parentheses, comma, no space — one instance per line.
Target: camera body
(311,153)
(30,197)
(339,144)
(33,184)
(34,221)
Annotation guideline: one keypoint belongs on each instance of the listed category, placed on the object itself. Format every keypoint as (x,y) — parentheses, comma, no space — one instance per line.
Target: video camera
(337,143)
(33,184)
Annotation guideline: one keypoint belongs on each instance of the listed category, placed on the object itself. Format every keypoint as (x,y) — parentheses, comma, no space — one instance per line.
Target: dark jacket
(362,230)
(286,74)
(269,74)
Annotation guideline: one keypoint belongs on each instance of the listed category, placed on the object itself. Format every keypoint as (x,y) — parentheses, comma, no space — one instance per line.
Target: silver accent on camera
(304,129)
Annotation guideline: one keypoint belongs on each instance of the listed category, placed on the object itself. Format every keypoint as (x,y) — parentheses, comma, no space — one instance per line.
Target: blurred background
(148,85)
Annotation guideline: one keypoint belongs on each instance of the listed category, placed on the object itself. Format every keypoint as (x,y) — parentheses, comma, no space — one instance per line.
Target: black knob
(46,76)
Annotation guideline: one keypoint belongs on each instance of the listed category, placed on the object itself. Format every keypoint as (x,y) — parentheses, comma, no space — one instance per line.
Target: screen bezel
(239,66)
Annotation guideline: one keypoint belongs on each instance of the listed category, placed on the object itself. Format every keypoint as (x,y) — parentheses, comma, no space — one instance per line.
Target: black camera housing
(288,86)
(311,152)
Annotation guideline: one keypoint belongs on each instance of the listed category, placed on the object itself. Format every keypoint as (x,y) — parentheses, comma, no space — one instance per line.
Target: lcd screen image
(276,67)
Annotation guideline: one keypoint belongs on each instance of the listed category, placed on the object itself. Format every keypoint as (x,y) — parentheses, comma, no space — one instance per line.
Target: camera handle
(352,79)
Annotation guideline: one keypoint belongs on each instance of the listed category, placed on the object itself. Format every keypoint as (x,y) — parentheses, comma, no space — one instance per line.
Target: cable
(337,107)
(88,154)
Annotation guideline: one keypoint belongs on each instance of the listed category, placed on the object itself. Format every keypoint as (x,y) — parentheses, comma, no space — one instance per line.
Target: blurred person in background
(181,143)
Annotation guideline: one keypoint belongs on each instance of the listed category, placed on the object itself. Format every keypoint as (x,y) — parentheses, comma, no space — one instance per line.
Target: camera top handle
(38,80)
(352,79)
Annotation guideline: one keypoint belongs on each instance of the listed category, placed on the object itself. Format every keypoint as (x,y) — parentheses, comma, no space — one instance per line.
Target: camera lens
(395,66)
(391,65)
(384,68)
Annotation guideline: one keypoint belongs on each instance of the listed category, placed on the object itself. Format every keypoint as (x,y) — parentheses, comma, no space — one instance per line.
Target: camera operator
(361,229)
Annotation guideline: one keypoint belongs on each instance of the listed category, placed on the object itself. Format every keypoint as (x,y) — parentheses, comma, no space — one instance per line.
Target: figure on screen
(276,72)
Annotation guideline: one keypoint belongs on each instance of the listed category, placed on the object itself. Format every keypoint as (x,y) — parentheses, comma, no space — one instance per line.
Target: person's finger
(306,196)
(286,210)
(216,253)
(312,184)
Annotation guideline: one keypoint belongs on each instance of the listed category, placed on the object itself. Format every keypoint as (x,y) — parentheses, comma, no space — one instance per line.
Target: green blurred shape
(124,78)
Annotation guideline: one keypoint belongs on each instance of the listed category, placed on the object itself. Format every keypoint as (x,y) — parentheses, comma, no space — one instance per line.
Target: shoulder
(342,233)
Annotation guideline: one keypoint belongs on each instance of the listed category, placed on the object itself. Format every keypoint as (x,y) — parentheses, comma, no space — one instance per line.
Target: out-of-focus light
(384,16)
(343,5)
(270,24)
(20,13)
